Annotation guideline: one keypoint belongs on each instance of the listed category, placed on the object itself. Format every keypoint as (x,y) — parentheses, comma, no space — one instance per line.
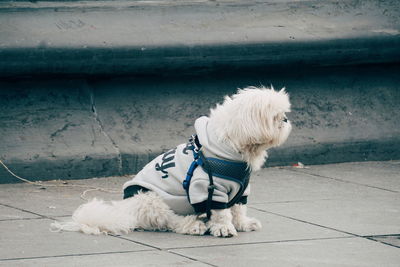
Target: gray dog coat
(185,188)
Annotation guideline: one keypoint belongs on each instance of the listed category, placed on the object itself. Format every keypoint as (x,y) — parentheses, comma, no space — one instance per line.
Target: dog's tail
(99,217)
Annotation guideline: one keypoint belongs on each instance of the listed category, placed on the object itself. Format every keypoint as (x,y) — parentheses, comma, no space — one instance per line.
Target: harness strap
(211,186)
(189,175)
(237,172)
(196,162)
(200,160)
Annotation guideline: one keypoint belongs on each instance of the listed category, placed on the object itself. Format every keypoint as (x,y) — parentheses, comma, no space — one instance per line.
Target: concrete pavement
(329,215)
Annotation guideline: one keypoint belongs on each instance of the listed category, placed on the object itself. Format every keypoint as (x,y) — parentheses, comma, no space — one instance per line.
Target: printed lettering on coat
(167,162)
(189,147)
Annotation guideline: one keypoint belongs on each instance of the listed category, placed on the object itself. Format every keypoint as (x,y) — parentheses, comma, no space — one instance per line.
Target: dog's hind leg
(240,220)
(153,214)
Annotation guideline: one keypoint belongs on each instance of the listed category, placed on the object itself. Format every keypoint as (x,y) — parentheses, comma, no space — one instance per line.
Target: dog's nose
(285,120)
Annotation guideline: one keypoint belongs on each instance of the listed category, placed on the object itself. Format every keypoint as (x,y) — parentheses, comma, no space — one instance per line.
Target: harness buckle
(185,184)
(211,188)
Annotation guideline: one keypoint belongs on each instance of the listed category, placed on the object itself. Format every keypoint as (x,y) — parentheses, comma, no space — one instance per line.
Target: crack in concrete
(101,126)
(375,238)
(21,219)
(64,128)
(74,255)
(261,242)
(27,211)
(326,227)
(192,259)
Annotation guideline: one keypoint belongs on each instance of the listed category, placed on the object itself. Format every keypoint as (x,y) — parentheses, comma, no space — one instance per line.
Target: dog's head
(253,120)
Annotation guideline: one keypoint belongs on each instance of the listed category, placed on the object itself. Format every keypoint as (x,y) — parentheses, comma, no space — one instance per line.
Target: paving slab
(382,174)
(142,258)
(59,198)
(33,238)
(351,205)
(330,252)
(357,216)
(287,184)
(321,216)
(274,229)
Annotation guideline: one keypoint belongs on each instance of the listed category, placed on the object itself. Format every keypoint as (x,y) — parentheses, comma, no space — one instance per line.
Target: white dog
(208,175)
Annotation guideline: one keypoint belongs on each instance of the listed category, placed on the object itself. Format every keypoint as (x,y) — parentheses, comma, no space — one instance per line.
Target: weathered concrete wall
(98,88)
(60,129)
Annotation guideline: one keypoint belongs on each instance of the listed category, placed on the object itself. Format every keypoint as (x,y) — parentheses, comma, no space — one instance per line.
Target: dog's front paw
(222,230)
(248,224)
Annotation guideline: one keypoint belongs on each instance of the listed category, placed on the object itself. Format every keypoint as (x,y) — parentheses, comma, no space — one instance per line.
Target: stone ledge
(147,37)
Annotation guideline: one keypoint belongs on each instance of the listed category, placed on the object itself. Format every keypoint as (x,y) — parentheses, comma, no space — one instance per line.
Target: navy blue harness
(236,171)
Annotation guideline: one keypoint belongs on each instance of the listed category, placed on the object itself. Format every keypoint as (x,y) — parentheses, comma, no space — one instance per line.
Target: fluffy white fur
(250,121)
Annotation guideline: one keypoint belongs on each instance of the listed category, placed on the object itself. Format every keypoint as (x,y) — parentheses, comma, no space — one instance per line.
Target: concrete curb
(107,165)
(187,60)
(72,37)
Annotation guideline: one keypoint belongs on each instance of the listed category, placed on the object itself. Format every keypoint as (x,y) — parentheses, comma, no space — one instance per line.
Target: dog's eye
(284,119)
